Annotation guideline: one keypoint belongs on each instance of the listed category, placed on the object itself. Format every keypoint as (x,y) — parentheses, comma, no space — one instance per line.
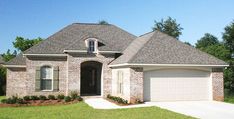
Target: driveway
(199,109)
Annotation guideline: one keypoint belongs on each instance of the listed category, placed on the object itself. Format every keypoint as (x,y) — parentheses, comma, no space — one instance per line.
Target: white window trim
(95,44)
(52,82)
(120,88)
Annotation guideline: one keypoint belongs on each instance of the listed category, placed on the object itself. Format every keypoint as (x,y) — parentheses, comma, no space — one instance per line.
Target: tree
(219,51)
(228,39)
(8,55)
(228,36)
(169,26)
(22,44)
(187,43)
(103,22)
(207,40)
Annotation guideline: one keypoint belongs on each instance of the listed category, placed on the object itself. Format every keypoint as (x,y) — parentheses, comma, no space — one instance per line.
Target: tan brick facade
(16,82)
(21,82)
(217,84)
(74,65)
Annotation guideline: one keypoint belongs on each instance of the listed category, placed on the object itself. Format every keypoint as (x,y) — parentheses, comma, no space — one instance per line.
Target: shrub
(79,98)
(138,101)
(34,97)
(60,97)
(117,99)
(51,97)
(20,101)
(74,95)
(11,100)
(42,97)
(26,98)
(4,101)
(67,98)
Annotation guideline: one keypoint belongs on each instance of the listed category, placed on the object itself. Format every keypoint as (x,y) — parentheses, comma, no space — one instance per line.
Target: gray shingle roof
(72,38)
(18,60)
(159,48)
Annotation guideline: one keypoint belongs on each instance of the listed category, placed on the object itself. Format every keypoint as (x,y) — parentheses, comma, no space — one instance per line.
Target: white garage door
(177,85)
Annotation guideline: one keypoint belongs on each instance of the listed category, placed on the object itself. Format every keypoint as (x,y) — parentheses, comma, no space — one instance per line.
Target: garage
(177,85)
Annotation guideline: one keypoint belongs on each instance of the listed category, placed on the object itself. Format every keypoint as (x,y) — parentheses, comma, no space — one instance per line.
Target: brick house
(95,59)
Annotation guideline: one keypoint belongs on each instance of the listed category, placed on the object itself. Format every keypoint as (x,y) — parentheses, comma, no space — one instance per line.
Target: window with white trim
(91,46)
(46,78)
(120,82)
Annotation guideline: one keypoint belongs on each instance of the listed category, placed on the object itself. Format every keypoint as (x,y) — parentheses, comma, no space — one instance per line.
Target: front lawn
(83,111)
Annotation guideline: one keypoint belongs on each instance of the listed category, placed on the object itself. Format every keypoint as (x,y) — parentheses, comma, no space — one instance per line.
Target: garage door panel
(158,87)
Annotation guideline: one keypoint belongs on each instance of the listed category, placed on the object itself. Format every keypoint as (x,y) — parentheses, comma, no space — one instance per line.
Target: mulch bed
(40,103)
(120,104)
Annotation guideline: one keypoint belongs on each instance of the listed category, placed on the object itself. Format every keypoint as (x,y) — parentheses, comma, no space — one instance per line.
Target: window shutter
(56,79)
(38,79)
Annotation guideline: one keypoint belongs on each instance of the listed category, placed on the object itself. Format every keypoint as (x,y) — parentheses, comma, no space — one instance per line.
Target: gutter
(174,65)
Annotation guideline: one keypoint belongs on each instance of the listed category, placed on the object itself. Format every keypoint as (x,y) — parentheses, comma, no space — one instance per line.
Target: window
(46,78)
(120,82)
(91,46)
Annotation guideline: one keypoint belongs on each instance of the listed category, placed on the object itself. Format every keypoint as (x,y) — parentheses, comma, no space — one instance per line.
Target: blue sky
(42,18)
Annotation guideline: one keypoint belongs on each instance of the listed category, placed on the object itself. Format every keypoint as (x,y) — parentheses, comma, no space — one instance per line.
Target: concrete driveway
(199,109)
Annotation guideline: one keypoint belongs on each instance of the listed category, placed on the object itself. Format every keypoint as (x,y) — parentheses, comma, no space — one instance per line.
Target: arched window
(46,78)
(91,46)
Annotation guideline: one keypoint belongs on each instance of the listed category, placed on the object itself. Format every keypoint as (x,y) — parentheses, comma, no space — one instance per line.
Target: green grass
(83,111)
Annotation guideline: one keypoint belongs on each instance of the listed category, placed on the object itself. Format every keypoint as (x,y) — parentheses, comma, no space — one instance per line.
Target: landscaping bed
(120,101)
(41,100)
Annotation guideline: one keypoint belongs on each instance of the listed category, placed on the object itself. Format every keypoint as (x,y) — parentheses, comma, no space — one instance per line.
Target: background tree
(103,22)
(168,26)
(207,40)
(228,39)
(228,36)
(8,55)
(23,44)
(188,43)
(2,81)
(219,51)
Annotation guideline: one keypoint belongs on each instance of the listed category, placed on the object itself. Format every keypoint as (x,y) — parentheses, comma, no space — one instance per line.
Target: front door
(88,81)
(90,78)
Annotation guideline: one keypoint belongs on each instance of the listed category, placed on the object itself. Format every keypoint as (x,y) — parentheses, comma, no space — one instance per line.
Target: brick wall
(217,84)
(16,82)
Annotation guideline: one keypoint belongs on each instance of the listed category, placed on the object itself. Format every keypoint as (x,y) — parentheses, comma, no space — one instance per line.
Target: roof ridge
(90,23)
(146,33)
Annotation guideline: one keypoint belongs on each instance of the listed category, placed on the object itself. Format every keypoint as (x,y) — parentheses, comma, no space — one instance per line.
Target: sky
(42,18)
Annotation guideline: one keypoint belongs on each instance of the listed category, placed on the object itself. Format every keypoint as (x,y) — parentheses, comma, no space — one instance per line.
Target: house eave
(14,66)
(47,55)
(171,65)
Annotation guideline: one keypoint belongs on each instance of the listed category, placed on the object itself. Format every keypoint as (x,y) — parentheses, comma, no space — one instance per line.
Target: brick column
(217,84)
(136,84)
